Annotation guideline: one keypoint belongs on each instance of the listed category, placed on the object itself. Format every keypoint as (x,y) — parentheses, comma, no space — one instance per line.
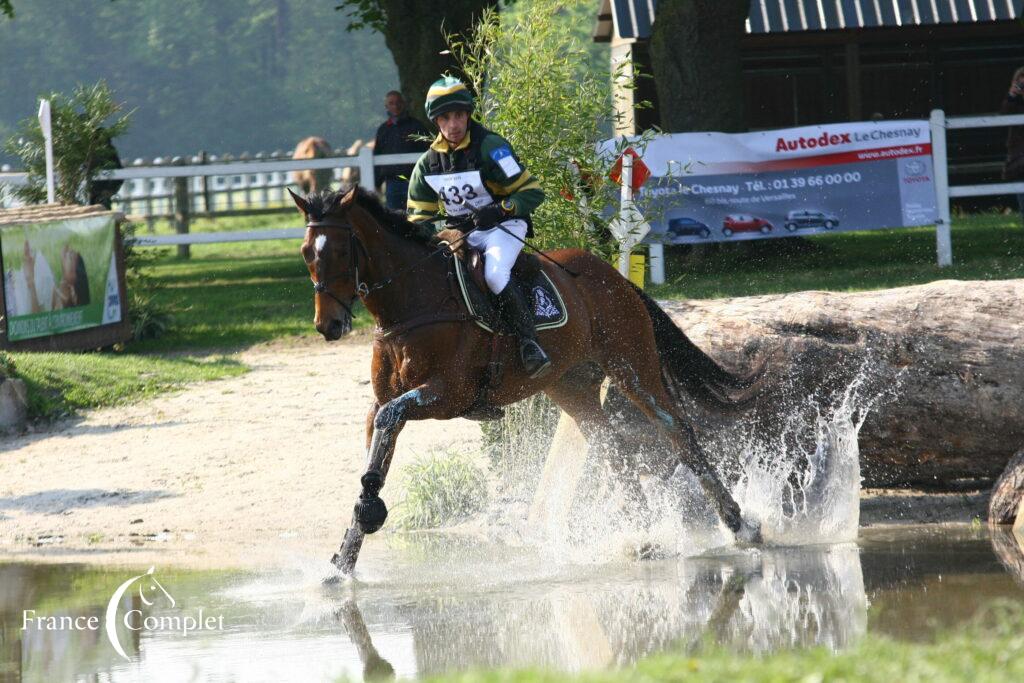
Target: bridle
(351,268)
(363,289)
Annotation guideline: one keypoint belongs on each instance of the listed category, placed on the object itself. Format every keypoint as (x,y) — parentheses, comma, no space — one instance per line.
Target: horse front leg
(383,427)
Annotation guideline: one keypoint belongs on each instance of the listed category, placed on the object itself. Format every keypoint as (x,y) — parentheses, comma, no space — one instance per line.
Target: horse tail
(685,365)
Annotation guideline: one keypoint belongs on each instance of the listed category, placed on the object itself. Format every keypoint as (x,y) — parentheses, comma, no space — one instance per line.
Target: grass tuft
(440,488)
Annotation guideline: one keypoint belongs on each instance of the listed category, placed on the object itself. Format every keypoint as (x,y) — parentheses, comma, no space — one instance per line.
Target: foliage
(82,132)
(989,650)
(7,368)
(225,76)
(61,383)
(517,444)
(537,89)
(7,9)
(440,488)
(149,319)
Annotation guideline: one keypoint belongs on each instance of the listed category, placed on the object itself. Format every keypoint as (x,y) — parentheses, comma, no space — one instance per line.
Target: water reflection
(442,606)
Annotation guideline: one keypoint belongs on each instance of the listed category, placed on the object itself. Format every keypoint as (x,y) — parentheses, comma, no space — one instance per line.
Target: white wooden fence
(244,185)
(943,192)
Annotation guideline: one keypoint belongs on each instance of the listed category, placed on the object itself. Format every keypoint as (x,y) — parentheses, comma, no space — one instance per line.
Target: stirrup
(539,364)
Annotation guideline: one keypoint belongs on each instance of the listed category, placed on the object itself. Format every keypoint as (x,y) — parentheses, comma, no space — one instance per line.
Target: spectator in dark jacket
(393,137)
(1014,104)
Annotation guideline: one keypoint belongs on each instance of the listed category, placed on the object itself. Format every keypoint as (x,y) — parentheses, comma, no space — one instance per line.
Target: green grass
(985,247)
(989,650)
(61,383)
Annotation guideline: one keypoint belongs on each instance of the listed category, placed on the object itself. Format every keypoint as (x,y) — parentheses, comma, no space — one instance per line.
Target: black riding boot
(515,311)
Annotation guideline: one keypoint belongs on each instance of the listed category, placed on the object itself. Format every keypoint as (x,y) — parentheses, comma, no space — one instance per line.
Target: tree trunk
(937,365)
(696,62)
(415,34)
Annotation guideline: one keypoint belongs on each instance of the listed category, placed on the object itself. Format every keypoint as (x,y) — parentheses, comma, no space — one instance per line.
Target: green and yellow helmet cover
(448,94)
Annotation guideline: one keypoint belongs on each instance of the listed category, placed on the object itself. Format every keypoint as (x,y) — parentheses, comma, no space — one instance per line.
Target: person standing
(1014,104)
(399,134)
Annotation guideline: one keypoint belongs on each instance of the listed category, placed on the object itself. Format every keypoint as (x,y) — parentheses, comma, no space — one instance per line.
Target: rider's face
(453,125)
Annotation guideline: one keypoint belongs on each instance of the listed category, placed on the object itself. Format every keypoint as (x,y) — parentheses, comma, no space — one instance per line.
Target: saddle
(549,310)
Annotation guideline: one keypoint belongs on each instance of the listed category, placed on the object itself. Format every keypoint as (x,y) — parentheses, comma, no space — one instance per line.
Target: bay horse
(430,359)
(313,181)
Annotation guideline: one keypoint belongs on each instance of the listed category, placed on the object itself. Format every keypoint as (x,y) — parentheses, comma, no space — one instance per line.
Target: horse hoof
(370,514)
(749,533)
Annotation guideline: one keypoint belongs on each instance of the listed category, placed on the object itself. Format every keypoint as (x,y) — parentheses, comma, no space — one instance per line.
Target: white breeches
(500,250)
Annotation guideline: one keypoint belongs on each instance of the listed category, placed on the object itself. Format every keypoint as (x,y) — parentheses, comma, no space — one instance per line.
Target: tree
(696,63)
(415,33)
(6,8)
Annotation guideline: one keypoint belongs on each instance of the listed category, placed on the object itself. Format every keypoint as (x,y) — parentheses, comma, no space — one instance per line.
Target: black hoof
(370,514)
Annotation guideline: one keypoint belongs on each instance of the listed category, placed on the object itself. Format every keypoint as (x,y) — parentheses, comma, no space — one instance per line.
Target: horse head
(329,250)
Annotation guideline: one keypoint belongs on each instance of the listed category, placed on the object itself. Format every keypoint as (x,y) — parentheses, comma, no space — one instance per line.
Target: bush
(82,138)
(440,489)
(148,319)
(6,365)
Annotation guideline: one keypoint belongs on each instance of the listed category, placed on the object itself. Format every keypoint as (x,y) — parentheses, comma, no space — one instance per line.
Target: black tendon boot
(515,311)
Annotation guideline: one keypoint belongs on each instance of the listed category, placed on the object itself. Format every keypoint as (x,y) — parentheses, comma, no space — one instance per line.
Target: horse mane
(330,203)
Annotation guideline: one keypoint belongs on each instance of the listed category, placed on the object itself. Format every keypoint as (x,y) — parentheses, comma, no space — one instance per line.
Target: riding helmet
(448,94)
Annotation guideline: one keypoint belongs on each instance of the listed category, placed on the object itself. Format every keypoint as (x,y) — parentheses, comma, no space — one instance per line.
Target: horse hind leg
(643,386)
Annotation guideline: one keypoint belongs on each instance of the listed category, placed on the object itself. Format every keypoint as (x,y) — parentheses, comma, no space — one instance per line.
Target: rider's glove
(488,216)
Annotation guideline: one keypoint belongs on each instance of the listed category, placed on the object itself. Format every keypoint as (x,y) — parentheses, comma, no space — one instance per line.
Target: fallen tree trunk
(943,364)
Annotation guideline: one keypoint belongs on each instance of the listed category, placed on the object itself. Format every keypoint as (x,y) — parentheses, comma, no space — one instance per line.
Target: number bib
(454,188)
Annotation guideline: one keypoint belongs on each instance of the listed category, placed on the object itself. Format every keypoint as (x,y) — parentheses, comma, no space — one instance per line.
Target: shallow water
(433,604)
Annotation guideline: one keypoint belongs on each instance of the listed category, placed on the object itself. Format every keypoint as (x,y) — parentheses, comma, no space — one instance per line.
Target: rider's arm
(507,178)
(422,202)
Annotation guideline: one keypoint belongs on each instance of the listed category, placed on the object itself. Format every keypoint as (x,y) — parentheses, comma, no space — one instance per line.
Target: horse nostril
(336,329)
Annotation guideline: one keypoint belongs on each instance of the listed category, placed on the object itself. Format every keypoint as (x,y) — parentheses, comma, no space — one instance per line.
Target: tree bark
(415,31)
(938,364)
(696,62)
(936,369)
(1007,493)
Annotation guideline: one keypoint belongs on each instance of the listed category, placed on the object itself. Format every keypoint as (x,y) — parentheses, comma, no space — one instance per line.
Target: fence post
(204,159)
(940,167)
(656,253)
(366,169)
(182,210)
(625,201)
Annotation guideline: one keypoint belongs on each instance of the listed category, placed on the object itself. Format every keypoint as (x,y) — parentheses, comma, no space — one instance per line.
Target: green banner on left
(59,276)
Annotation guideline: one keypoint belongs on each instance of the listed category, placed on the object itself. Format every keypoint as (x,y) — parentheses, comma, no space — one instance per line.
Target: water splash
(802,484)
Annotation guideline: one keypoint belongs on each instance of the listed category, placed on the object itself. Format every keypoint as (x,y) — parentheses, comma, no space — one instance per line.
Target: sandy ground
(269,460)
(266,463)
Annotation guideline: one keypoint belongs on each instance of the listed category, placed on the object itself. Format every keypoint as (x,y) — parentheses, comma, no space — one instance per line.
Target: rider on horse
(468,164)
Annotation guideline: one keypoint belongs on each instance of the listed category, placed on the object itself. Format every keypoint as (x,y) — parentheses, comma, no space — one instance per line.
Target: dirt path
(269,460)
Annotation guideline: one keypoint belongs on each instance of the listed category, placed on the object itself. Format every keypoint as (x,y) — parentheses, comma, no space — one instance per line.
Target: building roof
(632,19)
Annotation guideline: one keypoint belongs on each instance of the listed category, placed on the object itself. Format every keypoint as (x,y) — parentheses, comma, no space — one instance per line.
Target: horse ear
(299,202)
(349,198)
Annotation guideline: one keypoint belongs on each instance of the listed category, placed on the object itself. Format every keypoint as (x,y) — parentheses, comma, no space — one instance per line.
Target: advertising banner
(59,276)
(839,177)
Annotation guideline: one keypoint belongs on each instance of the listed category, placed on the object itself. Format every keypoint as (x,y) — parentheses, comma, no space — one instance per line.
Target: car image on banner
(743,223)
(686,226)
(806,219)
(771,184)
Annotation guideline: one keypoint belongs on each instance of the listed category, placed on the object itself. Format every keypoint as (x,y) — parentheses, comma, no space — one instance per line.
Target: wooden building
(821,61)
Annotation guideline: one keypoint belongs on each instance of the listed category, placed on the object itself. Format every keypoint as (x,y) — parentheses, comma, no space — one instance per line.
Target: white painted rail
(940,161)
